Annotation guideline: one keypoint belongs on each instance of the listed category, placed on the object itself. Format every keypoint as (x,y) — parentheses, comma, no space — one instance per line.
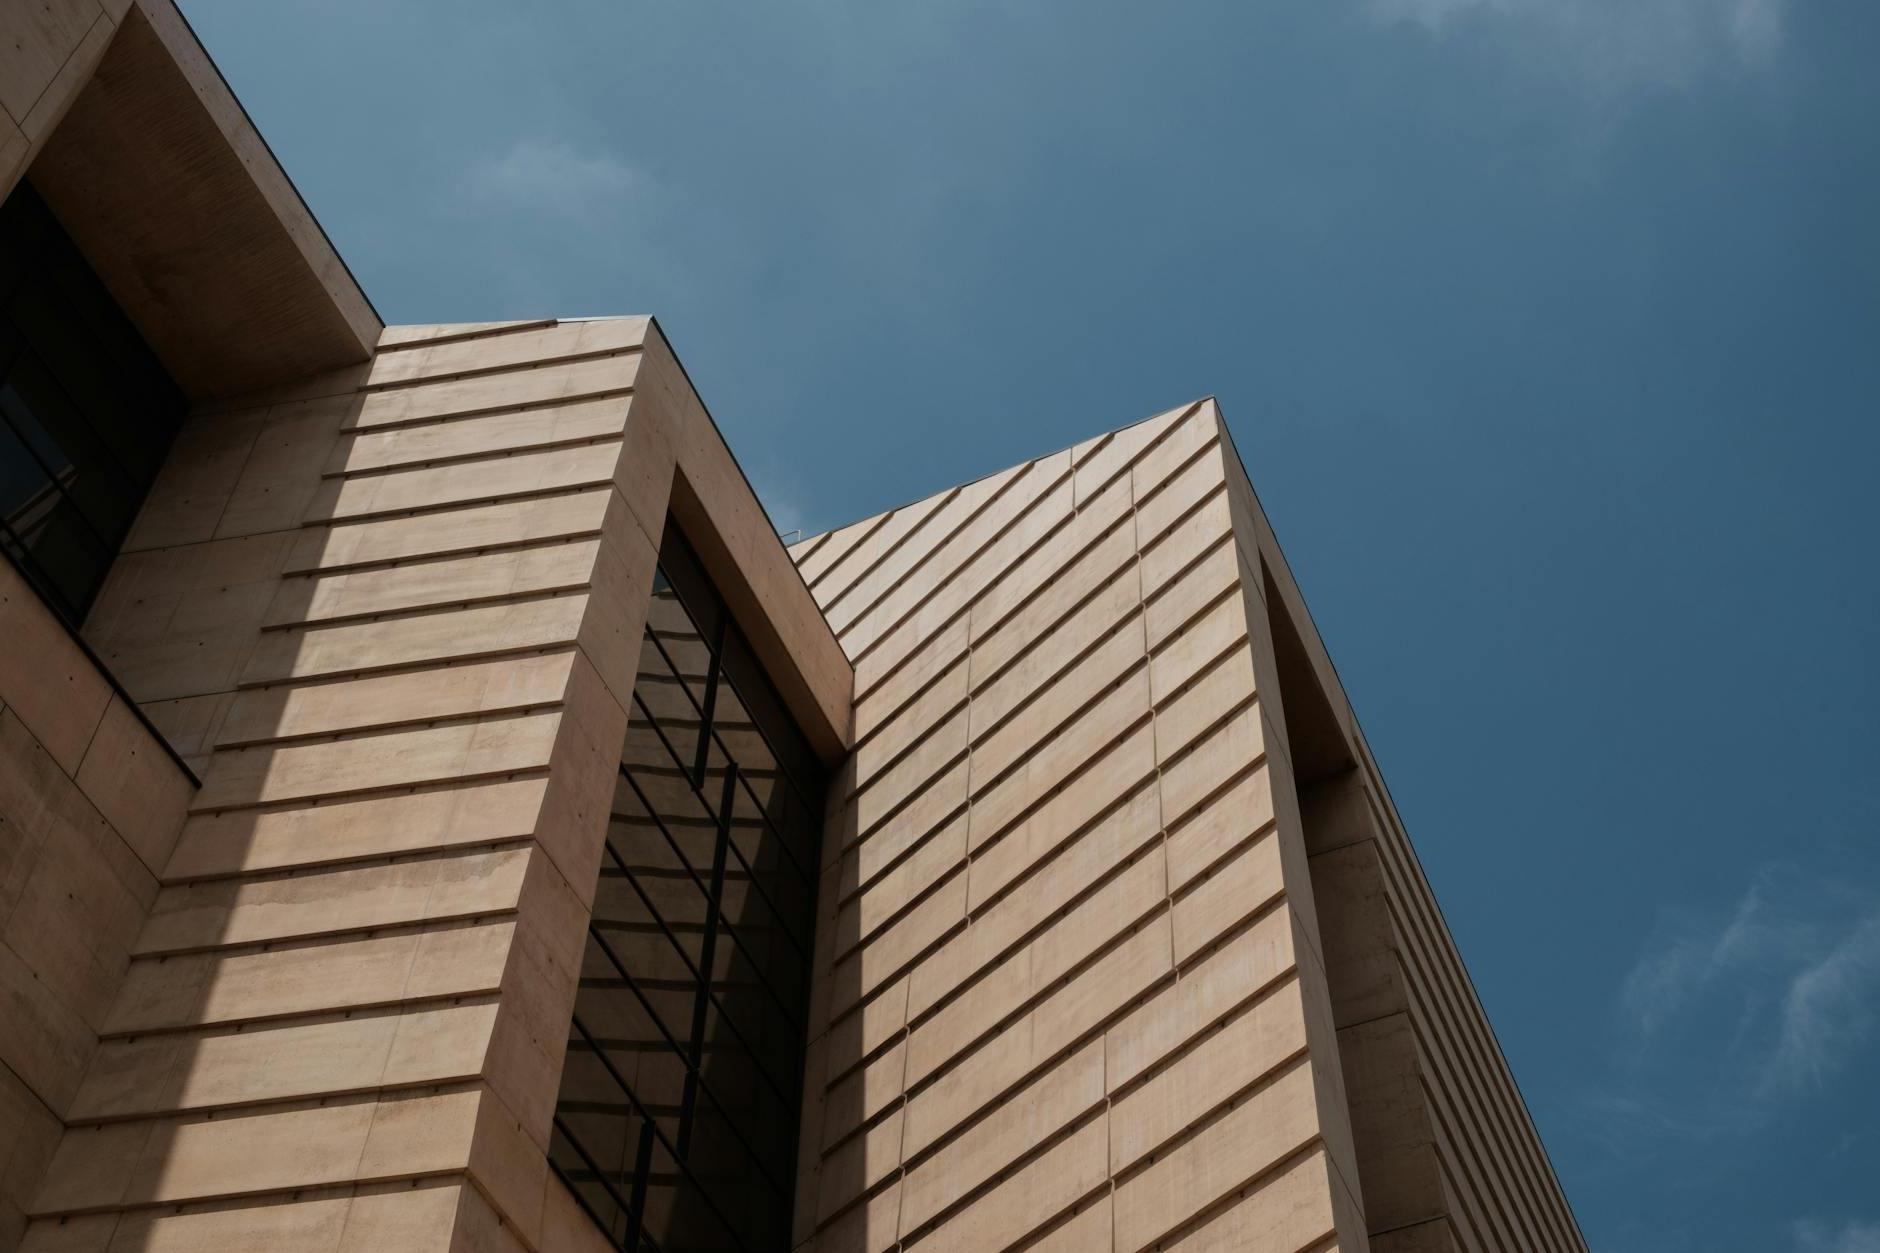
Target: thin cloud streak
(1816,1236)
(1668,977)
(1794,964)
(1827,1011)
(553,175)
(1611,46)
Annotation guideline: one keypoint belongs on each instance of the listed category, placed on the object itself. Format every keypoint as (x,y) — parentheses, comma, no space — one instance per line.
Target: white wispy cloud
(1817,1236)
(556,176)
(1611,45)
(1827,1013)
(1685,963)
(1794,964)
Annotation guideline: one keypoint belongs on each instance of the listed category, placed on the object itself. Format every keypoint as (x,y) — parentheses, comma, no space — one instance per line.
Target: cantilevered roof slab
(161,179)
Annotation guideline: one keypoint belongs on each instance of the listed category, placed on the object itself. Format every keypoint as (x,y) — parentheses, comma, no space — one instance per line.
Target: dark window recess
(677,1121)
(87,412)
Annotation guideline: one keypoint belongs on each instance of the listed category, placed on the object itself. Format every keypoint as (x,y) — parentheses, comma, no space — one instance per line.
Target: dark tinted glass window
(677,1120)
(86,411)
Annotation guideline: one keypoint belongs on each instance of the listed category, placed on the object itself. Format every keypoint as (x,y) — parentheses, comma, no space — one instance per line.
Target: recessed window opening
(87,412)
(677,1122)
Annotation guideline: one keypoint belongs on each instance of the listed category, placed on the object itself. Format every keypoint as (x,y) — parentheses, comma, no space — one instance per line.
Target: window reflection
(677,1120)
(86,411)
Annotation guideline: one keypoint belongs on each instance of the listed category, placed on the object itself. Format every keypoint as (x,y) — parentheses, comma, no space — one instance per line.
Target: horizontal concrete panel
(1085,1229)
(349,1219)
(1057,706)
(924,814)
(907,561)
(898,690)
(1220,1066)
(1045,586)
(1176,447)
(490,435)
(1291,1209)
(413,360)
(866,912)
(1001,983)
(255,911)
(173,1072)
(1067,1014)
(1211,831)
(420,334)
(465,482)
(1167,490)
(1198,771)
(1205,578)
(1217,1160)
(205,989)
(1208,992)
(854,554)
(1048,772)
(355,648)
(1107,458)
(557,567)
(984,550)
(942,693)
(473,528)
(1056,1100)
(1113,843)
(1031,1196)
(260,840)
(863,1094)
(1194,650)
(1199,531)
(1058,644)
(486,393)
(285,712)
(1065,811)
(431,754)
(900,944)
(177,1160)
(884,794)
(859,1165)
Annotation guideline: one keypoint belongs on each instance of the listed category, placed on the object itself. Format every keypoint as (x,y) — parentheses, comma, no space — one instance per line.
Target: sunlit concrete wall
(1073,993)
(90,807)
(1089,976)
(392,615)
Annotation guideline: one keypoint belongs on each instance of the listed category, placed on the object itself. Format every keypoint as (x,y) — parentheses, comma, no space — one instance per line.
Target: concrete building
(437,813)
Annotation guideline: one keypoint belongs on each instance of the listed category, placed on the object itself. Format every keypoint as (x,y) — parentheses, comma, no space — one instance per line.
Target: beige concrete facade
(90,808)
(1120,944)
(391,618)
(1124,946)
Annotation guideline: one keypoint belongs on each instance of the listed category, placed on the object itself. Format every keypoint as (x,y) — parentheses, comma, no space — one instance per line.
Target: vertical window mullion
(707,712)
(707,958)
(636,1196)
(686,821)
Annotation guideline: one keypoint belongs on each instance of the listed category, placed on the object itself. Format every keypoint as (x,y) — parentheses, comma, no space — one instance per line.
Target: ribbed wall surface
(372,612)
(1448,1158)
(1120,945)
(1124,947)
(1070,995)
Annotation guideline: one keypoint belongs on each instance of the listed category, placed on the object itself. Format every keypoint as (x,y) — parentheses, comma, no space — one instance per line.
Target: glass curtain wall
(87,413)
(680,1094)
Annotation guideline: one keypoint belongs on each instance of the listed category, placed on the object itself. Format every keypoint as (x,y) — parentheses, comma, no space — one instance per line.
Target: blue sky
(1550,330)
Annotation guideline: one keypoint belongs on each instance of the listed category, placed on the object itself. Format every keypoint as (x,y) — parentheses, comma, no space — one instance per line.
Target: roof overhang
(162,180)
